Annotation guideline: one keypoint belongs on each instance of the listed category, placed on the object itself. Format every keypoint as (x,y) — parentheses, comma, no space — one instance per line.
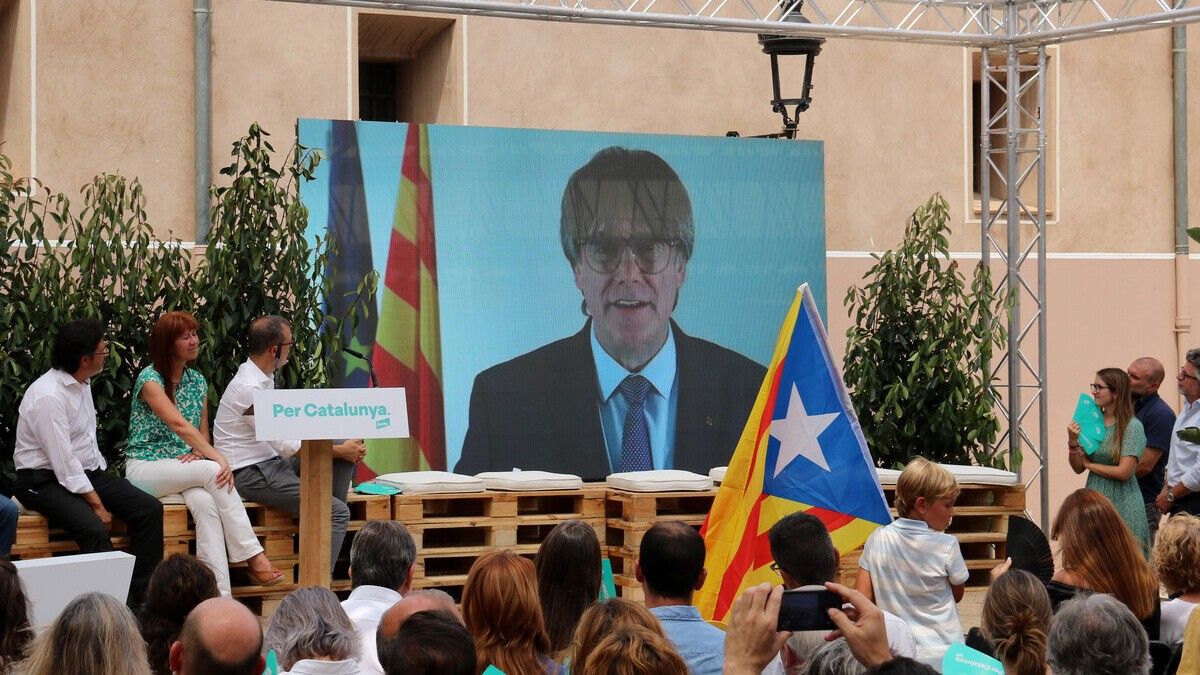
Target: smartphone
(807,609)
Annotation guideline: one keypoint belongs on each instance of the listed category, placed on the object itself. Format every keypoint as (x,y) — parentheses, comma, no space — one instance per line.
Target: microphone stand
(370,364)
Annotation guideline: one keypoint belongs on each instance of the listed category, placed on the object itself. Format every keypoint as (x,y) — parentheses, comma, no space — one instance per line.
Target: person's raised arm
(866,635)
(1075,455)
(754,638)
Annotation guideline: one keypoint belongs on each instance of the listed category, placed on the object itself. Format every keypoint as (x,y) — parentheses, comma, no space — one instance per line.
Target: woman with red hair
(1101,555)
(168,452)
(501,609)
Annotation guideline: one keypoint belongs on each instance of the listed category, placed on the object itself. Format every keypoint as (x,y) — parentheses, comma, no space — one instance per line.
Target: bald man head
(1145,375)
(417,601)
(219,637)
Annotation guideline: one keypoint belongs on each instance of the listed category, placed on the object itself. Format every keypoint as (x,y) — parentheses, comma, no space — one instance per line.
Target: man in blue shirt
(1145,376)
(630,391)
(670,568)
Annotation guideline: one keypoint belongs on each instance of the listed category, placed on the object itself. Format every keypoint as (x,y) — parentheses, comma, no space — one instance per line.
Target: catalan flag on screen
(802,450)
(408,341)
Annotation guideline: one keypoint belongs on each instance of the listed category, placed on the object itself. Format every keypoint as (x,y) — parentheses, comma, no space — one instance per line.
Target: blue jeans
(8,525)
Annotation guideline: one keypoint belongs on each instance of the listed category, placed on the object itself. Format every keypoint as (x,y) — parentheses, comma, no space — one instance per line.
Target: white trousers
(220,517)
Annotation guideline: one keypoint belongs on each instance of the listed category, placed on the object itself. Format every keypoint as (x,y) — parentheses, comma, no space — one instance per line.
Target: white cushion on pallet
(420,482)
(975,475)
(529,480)
(717,474)
(665,480)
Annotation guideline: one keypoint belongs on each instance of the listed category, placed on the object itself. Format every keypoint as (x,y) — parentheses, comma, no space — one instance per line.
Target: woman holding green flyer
(1111,466)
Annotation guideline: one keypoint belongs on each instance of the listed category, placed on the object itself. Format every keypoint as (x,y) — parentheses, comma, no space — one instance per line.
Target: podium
(315,416)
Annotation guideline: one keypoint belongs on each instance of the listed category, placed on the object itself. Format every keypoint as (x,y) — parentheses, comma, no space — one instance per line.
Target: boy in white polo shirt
(912,568)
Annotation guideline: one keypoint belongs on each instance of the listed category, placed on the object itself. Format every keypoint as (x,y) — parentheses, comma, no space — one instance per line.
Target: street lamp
(789,45)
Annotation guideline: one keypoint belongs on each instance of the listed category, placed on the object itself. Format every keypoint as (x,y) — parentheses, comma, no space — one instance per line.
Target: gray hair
(381,554)
(310,623)
(1096,635)
(1193,357)
(437,596)
(94,635)
(803,644)
(834,658)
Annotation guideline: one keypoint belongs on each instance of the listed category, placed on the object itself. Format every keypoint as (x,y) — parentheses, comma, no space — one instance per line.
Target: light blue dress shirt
(701,644)
(661,402)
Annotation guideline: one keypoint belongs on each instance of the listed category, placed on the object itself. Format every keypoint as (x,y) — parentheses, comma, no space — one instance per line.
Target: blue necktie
(635,444)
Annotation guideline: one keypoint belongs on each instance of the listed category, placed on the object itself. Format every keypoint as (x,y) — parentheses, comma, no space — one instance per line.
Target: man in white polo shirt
(268,472)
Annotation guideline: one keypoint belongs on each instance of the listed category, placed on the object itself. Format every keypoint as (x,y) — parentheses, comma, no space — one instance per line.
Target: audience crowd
(1101,611)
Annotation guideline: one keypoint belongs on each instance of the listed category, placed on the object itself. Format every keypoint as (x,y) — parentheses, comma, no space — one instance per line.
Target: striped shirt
(912,569)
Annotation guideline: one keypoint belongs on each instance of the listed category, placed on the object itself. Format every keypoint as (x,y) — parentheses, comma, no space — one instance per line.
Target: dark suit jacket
(541,409)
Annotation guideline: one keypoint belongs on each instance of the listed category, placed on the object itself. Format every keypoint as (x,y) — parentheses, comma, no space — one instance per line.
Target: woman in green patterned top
(169,452)
(1111,468)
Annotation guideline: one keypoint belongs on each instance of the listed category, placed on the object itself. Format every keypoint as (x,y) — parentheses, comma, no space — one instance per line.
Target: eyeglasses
(287,344)
(103,353)
(1184,373)
(603,254)
(1098,387)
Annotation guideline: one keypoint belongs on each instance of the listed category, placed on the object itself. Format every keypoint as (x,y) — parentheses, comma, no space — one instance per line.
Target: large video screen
(578,302)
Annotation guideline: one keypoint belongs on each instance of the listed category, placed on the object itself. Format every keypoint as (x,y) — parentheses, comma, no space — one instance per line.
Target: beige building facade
(107,85)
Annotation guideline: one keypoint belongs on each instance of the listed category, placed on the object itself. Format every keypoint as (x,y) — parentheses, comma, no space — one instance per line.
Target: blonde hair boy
(923,478)
(912,568)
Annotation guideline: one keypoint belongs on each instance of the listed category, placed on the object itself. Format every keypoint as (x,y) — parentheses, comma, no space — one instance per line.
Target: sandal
(271,577)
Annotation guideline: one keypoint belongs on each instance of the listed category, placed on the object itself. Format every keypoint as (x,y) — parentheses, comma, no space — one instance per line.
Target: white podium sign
(318,414)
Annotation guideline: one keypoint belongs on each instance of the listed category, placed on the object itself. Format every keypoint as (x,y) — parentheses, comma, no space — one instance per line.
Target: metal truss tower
(1014,230)
(1012,35)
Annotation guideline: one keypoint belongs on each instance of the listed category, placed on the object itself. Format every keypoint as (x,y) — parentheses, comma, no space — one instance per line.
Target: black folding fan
(1029,548)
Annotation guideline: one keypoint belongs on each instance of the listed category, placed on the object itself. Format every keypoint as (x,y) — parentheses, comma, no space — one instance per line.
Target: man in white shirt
(805,557)
(1182,489)
(381,567)
(60,471)
(268,472)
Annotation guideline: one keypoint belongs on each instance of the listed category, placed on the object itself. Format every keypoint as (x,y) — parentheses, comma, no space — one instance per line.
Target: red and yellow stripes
(735,533)
(408,343)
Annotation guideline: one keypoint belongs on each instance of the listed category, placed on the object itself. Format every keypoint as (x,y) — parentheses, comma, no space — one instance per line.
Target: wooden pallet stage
(453,530)
(631,514)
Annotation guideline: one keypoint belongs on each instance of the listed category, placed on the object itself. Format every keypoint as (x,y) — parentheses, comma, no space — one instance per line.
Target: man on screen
(630,391)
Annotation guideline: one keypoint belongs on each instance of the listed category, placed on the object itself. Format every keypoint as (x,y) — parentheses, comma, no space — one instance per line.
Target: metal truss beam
(978,23)
(1013,229)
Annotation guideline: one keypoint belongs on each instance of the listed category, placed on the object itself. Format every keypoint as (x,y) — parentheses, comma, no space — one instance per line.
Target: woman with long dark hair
(169,452)
(500,608)
(568,575)
(1111,468)
(15,632)
(178,584)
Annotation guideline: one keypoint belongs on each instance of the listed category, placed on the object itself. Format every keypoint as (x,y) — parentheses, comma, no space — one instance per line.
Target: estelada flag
(802,450)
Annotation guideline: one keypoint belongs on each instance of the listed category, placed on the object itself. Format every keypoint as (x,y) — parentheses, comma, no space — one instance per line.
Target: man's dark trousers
(39,489)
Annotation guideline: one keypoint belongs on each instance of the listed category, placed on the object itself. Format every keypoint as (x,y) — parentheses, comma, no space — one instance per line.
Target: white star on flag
(797,434)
